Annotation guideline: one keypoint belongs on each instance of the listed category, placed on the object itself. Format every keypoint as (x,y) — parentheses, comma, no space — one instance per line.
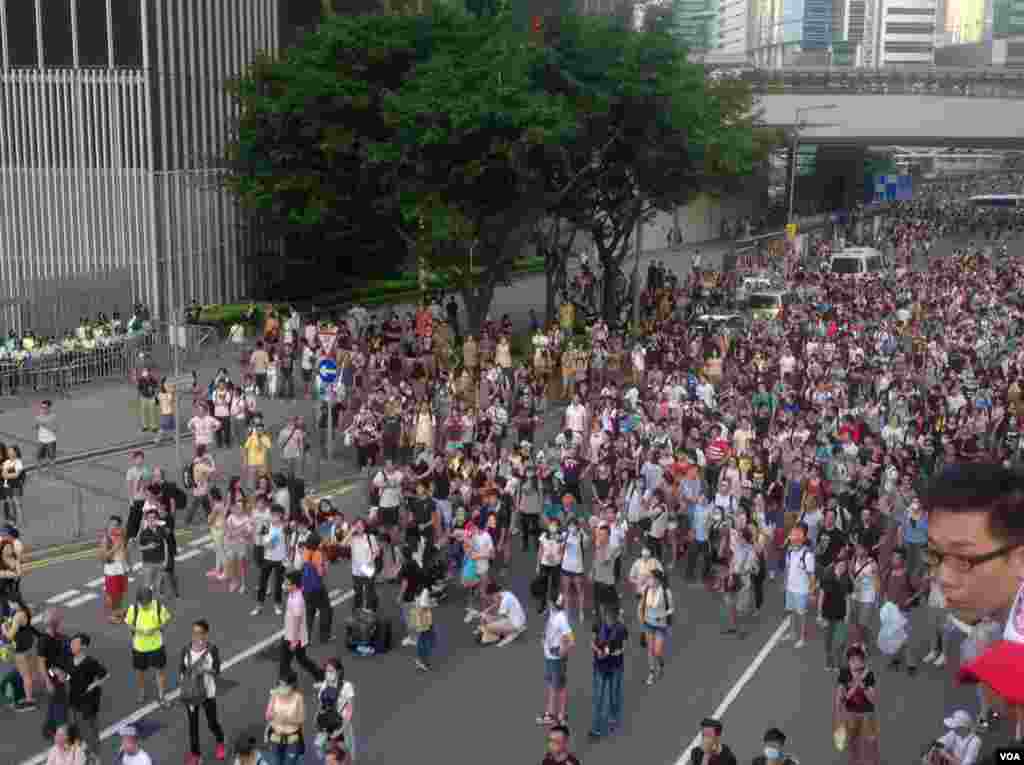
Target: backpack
(188,476)
(311,579)
(193,681)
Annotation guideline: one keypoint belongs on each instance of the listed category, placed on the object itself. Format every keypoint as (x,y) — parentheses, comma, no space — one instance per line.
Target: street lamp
(797,122)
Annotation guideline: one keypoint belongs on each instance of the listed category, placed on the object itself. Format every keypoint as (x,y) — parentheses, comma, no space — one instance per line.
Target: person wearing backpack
(197,678)
(799,582)
(314,589)
(147,618)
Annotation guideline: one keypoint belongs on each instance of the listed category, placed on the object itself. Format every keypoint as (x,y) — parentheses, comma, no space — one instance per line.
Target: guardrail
(951,83)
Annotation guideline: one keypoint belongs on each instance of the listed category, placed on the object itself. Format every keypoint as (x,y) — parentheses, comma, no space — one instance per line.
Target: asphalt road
(481,702)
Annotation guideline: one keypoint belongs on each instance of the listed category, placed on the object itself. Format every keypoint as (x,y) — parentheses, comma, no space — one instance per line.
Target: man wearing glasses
(976,538)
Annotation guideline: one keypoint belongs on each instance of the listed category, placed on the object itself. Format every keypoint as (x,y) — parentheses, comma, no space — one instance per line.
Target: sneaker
(256,611)
(940,660)
(422,666)
(789,636)
(243,590)
(218,752)
(799,643)
(278,610)
(409,642)
(652,678)
(911,670)
(932,656)
(510,638)
(546,720)
(25,705)
(471,614)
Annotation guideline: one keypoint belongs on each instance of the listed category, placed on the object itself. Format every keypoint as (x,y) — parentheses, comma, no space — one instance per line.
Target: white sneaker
(471,614)
(932,656)
(256,611)
(409,642)
(799,644)
(940,660)
(277,610)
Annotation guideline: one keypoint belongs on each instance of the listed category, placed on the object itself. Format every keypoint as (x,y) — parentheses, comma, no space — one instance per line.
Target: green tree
(652,132)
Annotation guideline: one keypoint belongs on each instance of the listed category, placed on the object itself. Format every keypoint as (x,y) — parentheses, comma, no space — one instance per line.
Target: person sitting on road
(503,619)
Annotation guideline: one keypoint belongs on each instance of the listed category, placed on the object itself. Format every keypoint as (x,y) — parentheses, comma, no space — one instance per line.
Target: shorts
(47,451)
(556,673)
(387,517)
(141,661)
(861,613)
(796,602)
(236,551)
(307,375)
(167,423)
(115,586)
(655,630)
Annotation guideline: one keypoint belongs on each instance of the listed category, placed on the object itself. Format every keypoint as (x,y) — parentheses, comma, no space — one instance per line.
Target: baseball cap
(959,719)
(128,731)
(999,666)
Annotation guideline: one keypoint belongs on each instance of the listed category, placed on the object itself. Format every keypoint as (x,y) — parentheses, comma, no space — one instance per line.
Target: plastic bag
(893,632)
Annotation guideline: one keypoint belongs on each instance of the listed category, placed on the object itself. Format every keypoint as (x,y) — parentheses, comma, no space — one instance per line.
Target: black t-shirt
(504,515)
(422,510)
(54,650)
(81,677)
(835,589)
(570,759)
(442,485)
(602,487)
(412,576)
(724,757)
(860,702)
(830,542)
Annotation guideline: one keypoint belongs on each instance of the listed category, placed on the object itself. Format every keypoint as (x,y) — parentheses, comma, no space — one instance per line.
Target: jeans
(834,643)
(318,601)
(529,528)
(607,700)
(154,575)
(149,413)
(194,507)
(425,645)
(209,707)
(698,550)
(223,435)
(366,593)
(268,569)
(284,754)
(298,654)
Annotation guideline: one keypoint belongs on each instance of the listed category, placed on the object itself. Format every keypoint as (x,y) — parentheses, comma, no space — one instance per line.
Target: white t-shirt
(576,417)
(557,628)
(799,570)
(572,562)
(483,545)
(139,758)
(390,489)
(966,749)
(512,610)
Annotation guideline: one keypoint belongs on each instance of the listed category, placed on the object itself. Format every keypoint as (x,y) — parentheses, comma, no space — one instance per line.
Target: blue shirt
(699,521)
(915,533)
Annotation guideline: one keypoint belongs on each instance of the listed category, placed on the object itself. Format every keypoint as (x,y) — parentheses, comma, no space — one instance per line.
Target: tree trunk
(478,302)
(609,299)
(550,282)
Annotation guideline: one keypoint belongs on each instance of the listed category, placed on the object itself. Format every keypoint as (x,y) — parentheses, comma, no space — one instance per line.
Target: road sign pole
(330,421)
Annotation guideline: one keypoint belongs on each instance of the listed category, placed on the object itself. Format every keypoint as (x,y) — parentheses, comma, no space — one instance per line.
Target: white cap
(959,719)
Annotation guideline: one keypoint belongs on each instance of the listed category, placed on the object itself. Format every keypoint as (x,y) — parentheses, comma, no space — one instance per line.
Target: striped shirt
(203,429)
(717,450)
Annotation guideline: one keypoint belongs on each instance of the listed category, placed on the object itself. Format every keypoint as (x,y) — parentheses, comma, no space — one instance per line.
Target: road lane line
(97,582)
(188,555)
(81,599)
(737,689)
(200,541)
(140,713)
(62,597)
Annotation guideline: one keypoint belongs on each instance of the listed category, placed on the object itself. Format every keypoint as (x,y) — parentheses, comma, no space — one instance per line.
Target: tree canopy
(451,136)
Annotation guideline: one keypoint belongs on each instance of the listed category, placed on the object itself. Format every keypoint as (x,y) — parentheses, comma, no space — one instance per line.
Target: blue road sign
(328,371)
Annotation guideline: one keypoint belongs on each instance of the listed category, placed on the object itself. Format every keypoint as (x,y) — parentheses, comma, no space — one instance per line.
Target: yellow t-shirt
(256,447)
(148,635)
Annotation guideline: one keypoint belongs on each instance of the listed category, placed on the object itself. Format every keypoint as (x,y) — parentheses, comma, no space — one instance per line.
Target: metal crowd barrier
(60,371)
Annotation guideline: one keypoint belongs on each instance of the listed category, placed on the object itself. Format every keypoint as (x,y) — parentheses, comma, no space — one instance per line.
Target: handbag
(840,737)
(193,683)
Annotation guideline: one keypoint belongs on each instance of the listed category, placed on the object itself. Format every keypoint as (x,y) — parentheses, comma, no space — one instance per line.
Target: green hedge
(404,289)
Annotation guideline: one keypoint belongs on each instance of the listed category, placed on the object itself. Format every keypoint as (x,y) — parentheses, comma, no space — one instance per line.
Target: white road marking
(737,689)
(200,541)
(189,554)
(138,714)
(62,597)
(82,599)
(97,582)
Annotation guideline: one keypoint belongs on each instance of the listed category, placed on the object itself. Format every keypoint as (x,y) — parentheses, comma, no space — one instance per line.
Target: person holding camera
(959,746)
(274,542)
(256,451)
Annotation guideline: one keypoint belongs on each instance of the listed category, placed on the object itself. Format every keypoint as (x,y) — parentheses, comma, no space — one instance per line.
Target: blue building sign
(817,25)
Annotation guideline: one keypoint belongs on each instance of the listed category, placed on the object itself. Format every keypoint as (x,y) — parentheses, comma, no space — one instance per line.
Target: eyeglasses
(963,564)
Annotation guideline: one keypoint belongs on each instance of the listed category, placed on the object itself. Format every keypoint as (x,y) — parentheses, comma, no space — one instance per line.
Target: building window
(910,28)
(21,33)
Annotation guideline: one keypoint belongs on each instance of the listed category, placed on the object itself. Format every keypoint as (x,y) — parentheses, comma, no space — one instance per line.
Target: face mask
(645,553)
(553,529)
(331,677)
(771,753)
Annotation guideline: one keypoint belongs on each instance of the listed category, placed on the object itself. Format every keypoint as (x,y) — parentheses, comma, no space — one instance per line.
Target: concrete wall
(701,220)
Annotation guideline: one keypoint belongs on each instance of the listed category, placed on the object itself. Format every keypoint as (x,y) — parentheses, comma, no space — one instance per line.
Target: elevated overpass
(919,107)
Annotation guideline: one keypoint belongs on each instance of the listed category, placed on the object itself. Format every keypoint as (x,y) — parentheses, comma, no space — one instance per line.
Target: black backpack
(188,476)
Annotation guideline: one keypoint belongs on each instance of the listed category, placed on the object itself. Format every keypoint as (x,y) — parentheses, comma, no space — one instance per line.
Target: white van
(858,262)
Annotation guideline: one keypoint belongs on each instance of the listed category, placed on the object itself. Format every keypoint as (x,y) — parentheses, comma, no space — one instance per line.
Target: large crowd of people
(795,458)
